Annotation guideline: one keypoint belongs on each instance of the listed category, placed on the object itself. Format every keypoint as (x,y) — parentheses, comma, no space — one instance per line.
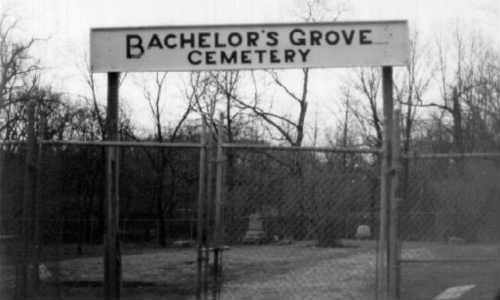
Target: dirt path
(340,278)
(296,271)
(351,277)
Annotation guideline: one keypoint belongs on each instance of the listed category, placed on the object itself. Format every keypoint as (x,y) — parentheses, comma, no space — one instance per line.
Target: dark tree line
(320,190)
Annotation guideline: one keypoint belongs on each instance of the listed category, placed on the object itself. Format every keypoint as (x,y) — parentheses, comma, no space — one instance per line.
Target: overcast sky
(65,25)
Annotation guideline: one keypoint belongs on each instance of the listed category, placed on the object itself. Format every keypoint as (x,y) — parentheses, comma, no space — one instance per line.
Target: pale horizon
(63,27)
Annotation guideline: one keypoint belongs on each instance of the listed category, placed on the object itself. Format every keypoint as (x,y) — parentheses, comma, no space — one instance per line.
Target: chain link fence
(158,195)
(291,218)
(12,157)
(449,225)
(300,194)
(296,223)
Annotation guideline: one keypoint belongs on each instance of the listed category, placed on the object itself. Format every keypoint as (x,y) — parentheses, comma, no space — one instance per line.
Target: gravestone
(184,243)
(44,273)
(363,232)
(455,240)
(255,232)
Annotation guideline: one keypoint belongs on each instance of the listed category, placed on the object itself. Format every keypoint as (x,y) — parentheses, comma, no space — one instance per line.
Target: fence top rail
(451,155)
(301,148)
(12,142)
(121,144)
(448,261)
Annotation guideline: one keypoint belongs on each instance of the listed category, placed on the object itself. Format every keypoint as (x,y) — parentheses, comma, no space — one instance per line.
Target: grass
(425,280)
(171,273)
(296,271)
(303,271)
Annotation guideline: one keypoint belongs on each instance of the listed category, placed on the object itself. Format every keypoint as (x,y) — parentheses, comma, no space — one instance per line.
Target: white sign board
(255,46)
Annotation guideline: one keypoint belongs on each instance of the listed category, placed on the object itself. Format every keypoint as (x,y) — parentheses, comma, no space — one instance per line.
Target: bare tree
(161,159)
(411,86)
(292,129)
(93,98)
(204,94)
(410,89)
(18,74)
(228,86)
(464,115)
(320,10)
(468,91)
(95,105)
(289,129)
(365,105)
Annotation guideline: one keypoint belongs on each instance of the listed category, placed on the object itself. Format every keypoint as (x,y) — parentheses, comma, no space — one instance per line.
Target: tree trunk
(406,163)
(101,198)
(81,225)
(303,109)
(457,124)
(458,138)
(160,211)
(229,152)
(373,206)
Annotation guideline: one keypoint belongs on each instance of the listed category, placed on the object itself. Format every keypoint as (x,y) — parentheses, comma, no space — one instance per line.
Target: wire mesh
(71,221)
(449,226)
(297,223)
(12,158)
(155,247)
(291,218)
(158,199)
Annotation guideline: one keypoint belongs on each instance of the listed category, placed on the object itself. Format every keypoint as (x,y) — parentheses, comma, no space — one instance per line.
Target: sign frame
(395,54)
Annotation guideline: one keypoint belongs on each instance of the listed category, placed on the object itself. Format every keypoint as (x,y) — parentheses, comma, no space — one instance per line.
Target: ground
(480,266)
(312,273)
(296,271)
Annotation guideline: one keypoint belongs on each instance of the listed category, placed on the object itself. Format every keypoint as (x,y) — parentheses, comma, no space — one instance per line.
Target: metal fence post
(38,196)
(25,288)
(200,218)
(36,230)
(218,230)
(218,184)
(208,207)
(112,257)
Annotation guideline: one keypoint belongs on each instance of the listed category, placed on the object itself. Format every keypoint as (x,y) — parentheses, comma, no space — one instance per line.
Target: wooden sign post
(388,246)
(112,256)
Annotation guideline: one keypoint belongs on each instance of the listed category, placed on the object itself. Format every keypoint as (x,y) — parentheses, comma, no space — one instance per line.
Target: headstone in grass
(184,243)
(455,240)
(255,233)
(44,272)
(363,232)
